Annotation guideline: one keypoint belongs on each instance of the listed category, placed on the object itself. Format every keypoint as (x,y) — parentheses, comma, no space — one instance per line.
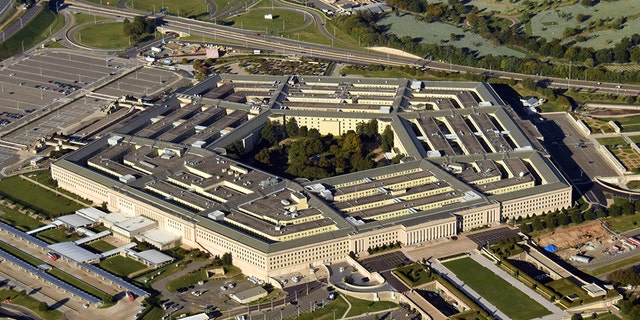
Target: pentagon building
(467,164)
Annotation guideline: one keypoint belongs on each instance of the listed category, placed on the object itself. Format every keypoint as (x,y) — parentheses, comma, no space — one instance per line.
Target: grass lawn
(359,306)
(326,313)
(612,141)
(78,283)
(121,266)
(30,303)
(80,18)
(36,197)
(33,33)
(628,124)
(513,302)
(635,184)
(18,219)
(282,21)
(188,9)
(366,72)
(624,223)
(44,177)
(635,139)
(614,266)
(189,279)
(154,314)
(101,246)
(20,254)
(414,274)
(565,287)
(104,35)
(57,235)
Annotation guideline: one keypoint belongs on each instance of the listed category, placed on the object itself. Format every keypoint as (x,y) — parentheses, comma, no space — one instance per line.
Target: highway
(250,39)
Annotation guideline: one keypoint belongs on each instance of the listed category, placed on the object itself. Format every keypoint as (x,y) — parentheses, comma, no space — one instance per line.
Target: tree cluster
(363,26)
(139,27)
(202,68)
(303,152)
(563,217)
(625,277)
(630,308)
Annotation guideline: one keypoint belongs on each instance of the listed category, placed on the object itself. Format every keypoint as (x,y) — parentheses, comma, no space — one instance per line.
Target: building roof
(74,220)
(154,256)
(73,252)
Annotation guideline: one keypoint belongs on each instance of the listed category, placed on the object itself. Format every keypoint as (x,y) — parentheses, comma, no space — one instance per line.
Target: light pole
(22,46)
(334,314)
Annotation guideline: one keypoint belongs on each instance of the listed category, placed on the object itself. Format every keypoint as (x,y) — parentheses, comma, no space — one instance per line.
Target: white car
(223,288)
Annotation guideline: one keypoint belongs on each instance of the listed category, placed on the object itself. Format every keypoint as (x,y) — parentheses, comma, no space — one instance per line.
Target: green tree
(227,260)
(387,139)
(291,127)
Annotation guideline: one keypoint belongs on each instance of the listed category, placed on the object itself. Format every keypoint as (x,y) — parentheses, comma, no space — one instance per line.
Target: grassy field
(104,35)
(36,197)
(513,302)
(187,280)
(44,177)
(33,32)
(614,266)
(101,246)
(121,266)
(359,306)
(30,303)
(612,141)
(624,223)
(17,219)
(339,305)
(80,18)
(57,235)
(414,274)
(440,33)
(188,9)
(628,124)
(282,21)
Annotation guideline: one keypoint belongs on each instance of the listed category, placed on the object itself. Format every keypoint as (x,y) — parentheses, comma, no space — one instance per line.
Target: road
(250,39)
(12,29)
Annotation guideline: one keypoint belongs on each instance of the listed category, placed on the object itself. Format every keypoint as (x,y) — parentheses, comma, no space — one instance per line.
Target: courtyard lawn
(612,141)
(121,266)
(513,302)
(38,198)
(101,246)
(414,274)
(57,235)
(629,123)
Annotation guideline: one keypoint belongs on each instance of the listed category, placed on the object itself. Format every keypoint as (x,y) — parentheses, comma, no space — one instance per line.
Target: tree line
(364,27)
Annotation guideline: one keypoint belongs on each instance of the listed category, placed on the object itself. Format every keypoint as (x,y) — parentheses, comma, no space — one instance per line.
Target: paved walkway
(556,312)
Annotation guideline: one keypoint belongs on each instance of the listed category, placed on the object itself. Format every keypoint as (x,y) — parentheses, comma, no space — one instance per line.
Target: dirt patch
(569,237)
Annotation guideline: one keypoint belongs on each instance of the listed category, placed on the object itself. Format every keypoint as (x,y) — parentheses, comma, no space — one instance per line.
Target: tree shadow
(58,304)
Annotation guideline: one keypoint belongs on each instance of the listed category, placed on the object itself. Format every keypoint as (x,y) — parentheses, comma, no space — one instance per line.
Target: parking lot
(60,89)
